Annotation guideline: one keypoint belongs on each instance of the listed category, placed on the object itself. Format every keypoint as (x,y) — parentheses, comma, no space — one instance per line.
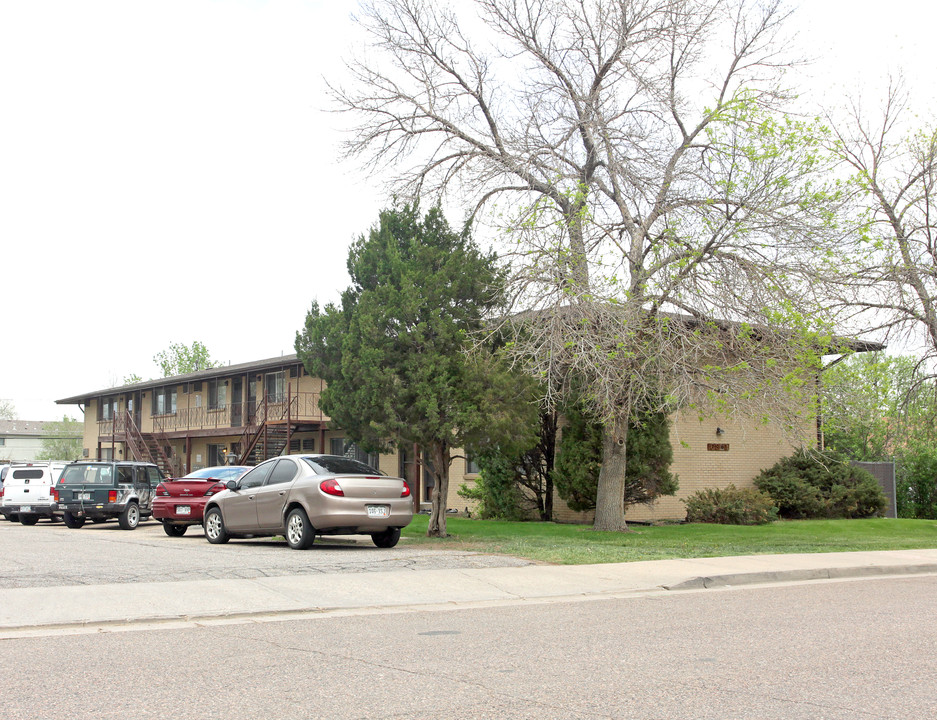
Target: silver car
(301,496)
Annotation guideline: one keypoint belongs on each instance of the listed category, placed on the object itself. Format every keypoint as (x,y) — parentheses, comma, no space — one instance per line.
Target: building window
(275,387)
(3,441)
(164,401)
(107,408)
(217,394)
(338,446)
(302,445)
(471,466)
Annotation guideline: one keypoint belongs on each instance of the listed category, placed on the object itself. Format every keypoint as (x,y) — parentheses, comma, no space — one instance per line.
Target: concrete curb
(113,607)
(764,578)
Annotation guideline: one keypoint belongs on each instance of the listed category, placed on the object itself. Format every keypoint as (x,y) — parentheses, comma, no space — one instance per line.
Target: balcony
(295,407)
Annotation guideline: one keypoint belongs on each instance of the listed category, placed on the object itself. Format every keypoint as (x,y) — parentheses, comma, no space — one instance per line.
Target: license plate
(26,508)
(84,496)
(378,511)
(183,510)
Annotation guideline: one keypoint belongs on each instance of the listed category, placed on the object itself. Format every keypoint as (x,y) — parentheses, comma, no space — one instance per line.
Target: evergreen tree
(394,354)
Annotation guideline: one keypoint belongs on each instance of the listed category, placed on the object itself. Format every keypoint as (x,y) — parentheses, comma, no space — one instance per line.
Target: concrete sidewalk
(25,611)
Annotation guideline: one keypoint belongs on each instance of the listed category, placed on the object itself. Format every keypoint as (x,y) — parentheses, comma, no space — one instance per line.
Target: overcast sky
(169,173)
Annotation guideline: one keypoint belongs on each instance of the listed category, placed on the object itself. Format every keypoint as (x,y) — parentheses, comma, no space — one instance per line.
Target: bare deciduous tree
(893,265)
(630,150)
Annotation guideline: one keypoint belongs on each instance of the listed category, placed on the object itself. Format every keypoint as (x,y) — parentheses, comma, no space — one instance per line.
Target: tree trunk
(610,495)
(439,458)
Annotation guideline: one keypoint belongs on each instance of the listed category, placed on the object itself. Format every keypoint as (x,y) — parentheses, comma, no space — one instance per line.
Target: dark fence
(884,472)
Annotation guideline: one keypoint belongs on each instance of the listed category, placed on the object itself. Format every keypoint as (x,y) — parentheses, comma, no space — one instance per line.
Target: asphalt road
(50,554)
(860,649)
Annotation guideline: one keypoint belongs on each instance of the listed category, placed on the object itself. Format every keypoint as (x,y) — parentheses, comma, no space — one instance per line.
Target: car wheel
(174,530)
(72,521)
(130,517)
(214,527)
(386,539)
(29,519)
(299,533)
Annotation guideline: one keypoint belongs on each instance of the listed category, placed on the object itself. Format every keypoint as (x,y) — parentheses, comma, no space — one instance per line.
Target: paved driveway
(49,555)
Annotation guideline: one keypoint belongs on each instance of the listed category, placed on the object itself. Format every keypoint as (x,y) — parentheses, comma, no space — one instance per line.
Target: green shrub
(731,506)
(810,486)
(496,491)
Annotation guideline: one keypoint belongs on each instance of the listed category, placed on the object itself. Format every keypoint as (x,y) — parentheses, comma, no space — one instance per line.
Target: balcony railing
(303,407)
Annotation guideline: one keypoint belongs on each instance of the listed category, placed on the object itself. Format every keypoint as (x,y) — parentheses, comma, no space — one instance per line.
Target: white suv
(26,492)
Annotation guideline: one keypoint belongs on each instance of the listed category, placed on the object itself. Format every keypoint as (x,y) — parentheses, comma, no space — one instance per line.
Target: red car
(180,502)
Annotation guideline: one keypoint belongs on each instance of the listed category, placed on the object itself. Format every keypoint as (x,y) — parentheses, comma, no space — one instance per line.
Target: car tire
(215,531)
(386,539)
(130,517)
(28,519)
(174,530)
(72,521)
(299,532)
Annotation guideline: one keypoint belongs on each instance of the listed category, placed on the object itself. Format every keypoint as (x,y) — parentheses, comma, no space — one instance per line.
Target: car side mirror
(231,485)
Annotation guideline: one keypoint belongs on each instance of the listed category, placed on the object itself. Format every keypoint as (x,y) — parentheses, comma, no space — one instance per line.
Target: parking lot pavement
(51,555)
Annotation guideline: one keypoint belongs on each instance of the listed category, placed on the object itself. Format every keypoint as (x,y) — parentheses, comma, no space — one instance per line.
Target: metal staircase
(150,447)
(268,432)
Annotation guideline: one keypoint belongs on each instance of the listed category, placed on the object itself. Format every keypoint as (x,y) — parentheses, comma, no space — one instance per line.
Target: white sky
(169,173)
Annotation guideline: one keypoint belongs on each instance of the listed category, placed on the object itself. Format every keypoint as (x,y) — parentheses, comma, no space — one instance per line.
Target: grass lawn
(578,544)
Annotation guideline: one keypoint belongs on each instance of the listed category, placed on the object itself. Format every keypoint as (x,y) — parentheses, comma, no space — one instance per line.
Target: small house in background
(21,440)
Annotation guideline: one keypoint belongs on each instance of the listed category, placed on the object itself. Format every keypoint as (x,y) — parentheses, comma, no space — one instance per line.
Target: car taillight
(331,487)
(162,491)
(112,496)
(406,490)
(216,488)
(55,495)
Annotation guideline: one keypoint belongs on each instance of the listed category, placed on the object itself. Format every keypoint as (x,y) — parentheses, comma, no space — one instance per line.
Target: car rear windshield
(88,475)
(27,474)
(335,465)
(216,473)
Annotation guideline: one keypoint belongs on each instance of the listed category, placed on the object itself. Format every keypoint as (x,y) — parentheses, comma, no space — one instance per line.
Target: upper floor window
(107,408)
(275,386)
(164,401)
(217,394)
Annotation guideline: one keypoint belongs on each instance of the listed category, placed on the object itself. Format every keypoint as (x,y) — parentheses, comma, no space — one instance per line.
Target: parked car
(180,502)
(26,495)
(301,496)
(101,490)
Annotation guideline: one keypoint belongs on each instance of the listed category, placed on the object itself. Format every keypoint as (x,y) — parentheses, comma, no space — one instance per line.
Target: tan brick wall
(752,447)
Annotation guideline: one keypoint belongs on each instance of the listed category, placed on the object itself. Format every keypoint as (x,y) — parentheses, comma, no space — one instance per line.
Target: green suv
(107,489)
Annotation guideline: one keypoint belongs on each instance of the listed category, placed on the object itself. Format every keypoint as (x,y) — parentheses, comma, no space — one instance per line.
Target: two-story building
(234,414)
(246,413)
